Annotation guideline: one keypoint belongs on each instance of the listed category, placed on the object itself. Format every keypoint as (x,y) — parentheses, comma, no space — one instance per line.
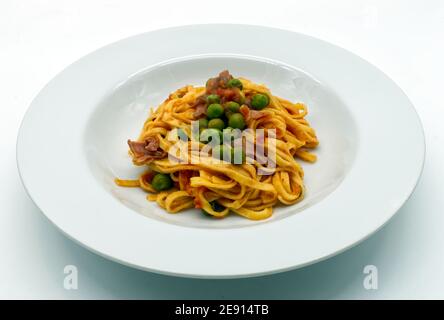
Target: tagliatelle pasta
(249,187)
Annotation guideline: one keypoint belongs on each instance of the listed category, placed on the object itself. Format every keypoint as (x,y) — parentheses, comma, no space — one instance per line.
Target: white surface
(89,130)
(38,39)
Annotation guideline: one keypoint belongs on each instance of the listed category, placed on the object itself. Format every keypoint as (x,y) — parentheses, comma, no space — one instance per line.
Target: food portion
(240,144)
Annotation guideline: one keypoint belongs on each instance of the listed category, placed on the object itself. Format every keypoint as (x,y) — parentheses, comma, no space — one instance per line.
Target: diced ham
(201,109)
(227,94)
(225,76)
(148,176)
(152,144)
(146,151)
(137,147)
(255,114)
(212,85)
(219,82)
(250,114)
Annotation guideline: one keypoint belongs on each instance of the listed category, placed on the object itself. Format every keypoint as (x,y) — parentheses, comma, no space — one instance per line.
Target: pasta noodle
(223,187)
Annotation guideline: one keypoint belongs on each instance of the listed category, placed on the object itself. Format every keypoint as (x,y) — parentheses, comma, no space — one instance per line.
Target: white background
(403,38)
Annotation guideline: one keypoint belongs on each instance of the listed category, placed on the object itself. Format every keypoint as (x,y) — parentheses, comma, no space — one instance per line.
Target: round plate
(72,143)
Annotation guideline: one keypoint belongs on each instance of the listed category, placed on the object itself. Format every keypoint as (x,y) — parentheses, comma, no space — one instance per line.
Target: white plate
(72,144)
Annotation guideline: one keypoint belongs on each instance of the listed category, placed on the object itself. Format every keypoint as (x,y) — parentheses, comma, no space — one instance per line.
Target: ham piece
(146,151)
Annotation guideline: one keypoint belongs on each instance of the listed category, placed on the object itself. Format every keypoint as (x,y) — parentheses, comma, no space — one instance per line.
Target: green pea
(216,206)
(213,98)
(259,101)
(215,110)
(162,182)
(208,135)
(216,124)
(237,121)
(232,106)
(222,151)
(203,123)
(234,83)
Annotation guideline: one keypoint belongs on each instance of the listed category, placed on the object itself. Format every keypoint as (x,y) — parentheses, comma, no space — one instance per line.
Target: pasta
(213,181)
